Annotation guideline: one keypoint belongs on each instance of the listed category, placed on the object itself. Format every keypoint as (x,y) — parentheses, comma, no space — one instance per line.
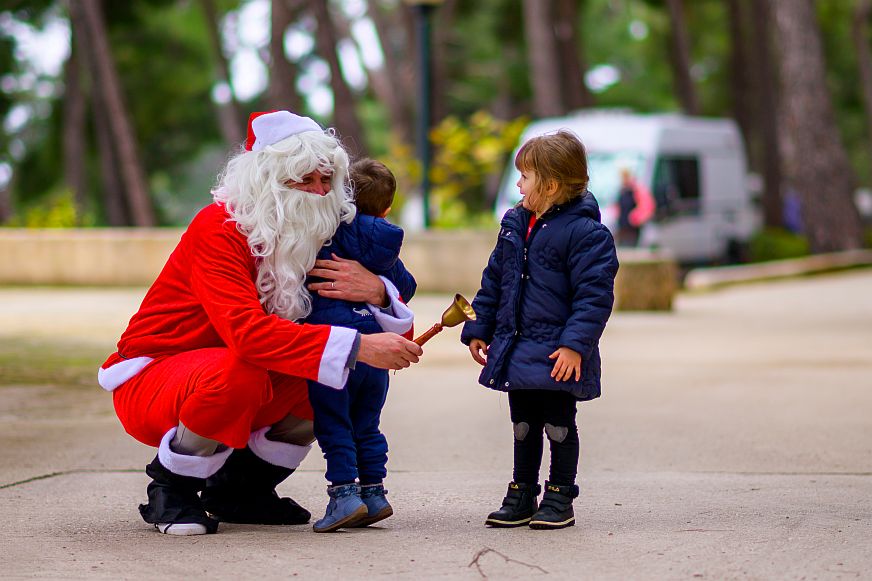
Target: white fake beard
(301,223)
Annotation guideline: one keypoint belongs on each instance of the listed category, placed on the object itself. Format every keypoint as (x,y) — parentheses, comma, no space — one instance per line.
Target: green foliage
(777,244)
(162,55)
(401,160)
(645,78)
(57,210)
(164,60)
(841,60)
(25,361)
(466,154)
(484,55)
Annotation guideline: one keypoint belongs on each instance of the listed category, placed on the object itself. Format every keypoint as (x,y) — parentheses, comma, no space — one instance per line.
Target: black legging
(531,410)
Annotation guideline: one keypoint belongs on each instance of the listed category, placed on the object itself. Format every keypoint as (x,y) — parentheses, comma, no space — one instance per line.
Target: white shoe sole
(181,529)
(496,523)
(545,525)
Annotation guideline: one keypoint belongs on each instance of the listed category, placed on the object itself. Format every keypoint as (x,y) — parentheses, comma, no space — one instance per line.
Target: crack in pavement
(68,472)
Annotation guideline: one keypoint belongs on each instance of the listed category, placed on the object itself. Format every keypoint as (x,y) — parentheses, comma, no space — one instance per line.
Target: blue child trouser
(346,426)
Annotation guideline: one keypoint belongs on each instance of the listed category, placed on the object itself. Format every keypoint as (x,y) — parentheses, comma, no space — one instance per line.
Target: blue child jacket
(555,289)
(375,243)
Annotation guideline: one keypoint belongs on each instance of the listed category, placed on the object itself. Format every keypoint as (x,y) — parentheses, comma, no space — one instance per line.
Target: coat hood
(585,206)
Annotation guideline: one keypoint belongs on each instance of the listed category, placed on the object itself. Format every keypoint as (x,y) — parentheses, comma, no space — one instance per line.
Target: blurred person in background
(635,207)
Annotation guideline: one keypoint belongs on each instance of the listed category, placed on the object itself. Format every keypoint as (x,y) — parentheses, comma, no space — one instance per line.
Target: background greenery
(169,75)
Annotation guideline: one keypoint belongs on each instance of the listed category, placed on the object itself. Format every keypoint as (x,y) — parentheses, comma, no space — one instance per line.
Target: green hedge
(777,244)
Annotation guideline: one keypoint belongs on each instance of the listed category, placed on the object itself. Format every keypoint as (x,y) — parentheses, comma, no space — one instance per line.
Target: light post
(423,9)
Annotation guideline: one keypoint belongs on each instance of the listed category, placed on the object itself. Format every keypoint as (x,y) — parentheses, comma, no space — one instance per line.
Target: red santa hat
(270,127)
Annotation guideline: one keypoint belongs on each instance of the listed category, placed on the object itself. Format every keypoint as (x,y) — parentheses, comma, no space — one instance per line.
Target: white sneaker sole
(181,529)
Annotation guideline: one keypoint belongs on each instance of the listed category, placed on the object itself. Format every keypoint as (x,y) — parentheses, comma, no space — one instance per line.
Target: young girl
(546,295)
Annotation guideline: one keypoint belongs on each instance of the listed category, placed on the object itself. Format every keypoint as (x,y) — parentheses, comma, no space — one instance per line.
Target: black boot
(518,506)
(555,512)
(243,491)
(173,506)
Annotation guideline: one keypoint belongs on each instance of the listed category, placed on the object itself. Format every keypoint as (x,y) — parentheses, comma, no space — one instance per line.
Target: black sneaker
(555,512)
(173,505)
(518,506)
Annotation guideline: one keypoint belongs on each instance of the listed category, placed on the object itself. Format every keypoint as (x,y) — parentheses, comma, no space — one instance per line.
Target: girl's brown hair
(557,157)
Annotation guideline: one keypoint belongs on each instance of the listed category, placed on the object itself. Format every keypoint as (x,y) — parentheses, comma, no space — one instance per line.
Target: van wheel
(738,252)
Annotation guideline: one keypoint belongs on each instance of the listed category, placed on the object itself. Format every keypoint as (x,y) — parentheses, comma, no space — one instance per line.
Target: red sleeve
(221,279)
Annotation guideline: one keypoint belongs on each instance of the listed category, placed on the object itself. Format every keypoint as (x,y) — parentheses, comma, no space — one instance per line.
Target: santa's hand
(348,280)
(388,351)
(478,350)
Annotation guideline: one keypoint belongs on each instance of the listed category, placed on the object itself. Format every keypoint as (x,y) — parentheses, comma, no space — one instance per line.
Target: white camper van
(694,167)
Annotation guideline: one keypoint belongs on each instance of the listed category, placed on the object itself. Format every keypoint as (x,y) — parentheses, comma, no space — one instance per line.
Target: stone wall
(442,261)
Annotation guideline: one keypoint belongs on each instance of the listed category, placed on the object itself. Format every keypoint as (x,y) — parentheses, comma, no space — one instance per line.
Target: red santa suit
(202,350)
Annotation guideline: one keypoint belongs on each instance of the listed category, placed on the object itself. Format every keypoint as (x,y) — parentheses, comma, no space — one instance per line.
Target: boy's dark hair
(374,186)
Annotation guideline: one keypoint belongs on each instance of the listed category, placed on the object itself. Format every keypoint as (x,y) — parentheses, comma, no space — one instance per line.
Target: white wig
(286,227)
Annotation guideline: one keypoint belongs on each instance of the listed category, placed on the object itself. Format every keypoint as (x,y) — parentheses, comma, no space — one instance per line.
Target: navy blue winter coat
(555,289)
(375,243)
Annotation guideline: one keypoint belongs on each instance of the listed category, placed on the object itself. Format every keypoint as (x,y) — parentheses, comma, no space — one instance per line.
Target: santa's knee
(245,387)
(293,430)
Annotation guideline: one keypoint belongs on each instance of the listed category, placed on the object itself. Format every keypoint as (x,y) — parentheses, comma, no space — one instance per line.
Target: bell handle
(437,328)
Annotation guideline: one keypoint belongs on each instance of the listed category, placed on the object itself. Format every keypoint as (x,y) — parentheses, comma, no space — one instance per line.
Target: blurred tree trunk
(393,83)
(543,58)
(764,78)
(860,29)
(444,25)
(741,88)
(74,140)
(815,159)
(5,203)
(116,114)
(345,117)
(680,58)
(378,80)
(113,192)
(282,91)
(230,120)
(576,95)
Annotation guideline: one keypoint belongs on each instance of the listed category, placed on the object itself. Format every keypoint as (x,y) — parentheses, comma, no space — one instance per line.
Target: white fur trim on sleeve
(276,453)
(400,318)
(194,466)
(332,371)
(112,377)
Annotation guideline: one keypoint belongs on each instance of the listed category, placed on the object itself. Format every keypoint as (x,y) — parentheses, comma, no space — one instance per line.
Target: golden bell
(458,312)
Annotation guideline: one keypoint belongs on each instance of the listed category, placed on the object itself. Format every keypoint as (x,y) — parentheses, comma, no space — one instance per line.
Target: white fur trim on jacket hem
(397,317)
(194,466)
(332,371)
(112,377)
(276,453)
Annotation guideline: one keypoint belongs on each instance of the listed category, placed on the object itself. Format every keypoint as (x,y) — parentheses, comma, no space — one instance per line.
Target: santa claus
(212,368)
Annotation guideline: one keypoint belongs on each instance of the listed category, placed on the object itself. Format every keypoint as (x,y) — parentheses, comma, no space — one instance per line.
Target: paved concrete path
(734,441)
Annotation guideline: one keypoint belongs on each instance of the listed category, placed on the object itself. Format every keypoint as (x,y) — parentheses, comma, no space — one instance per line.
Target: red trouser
(215,394)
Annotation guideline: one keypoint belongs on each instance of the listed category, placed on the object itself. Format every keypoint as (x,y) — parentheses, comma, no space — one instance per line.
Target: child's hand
(478,349)
(567,362)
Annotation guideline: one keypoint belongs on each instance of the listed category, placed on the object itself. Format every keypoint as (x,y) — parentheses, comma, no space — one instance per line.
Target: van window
(603,168)
(676,186)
